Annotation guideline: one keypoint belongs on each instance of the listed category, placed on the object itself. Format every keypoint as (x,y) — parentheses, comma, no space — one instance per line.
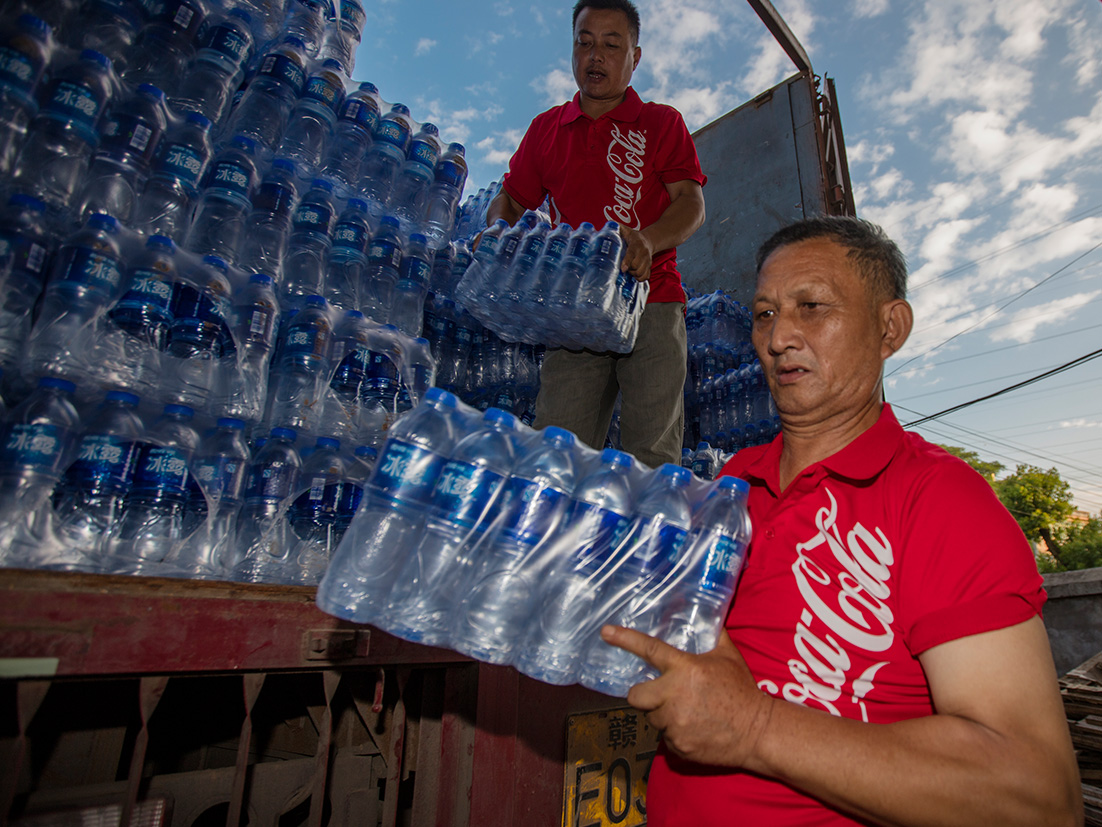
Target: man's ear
(898,319)
(638,54)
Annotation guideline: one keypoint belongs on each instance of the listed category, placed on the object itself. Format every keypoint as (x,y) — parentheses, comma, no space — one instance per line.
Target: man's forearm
(678,222)
(503,206)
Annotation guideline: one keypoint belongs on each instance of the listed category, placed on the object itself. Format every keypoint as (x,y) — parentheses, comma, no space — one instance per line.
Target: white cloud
(869,8)
(556,86)
(424,46)
(1026,322)
(498,148)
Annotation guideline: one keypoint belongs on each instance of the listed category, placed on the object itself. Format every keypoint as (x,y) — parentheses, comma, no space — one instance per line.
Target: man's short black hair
(626,6)
(878,257)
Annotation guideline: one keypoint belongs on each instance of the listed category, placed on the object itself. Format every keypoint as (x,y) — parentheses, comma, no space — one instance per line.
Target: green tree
(1080,547)
(1040,501)
(988,470)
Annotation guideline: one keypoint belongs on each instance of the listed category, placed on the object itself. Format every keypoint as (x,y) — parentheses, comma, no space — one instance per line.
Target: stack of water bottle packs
(557,287)
(728,406)
(515,546)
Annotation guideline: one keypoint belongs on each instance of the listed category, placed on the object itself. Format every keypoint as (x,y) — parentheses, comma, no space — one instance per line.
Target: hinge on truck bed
(337,644)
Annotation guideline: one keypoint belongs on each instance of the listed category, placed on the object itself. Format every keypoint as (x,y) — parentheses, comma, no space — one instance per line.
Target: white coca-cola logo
(841,614)
(626,155)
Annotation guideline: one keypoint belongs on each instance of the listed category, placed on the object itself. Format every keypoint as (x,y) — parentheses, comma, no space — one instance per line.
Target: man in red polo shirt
(608,156)
(885,662)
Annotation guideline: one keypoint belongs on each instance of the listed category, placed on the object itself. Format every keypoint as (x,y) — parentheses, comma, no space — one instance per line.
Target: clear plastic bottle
(200,310)
(24,54)
(390,144)
(390,518)
(308,245)
(498,599)
(152,525)
(86,277)
(352,137)
(307,20)
(271,94)
(268,223)
(245,359)
(341,414)
(300,380)
(171,191)
(461,509)
(166,44)
(347,263)
(384,259)
(108,26)
(264,539)
(310,124)
(411,185)
(225,48)
(442,200)
(62,136)
(342,40)
(407,312)
(225,201)
(24,249)
(313,514)
(88,502)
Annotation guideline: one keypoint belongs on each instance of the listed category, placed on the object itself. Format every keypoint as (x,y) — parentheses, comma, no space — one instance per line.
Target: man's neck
(808,443)
(596,108)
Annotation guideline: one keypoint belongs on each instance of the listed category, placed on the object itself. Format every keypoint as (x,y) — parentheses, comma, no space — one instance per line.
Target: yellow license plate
(608,758)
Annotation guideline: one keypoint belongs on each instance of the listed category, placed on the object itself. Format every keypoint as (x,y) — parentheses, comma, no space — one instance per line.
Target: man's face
(604,54)
(818,334)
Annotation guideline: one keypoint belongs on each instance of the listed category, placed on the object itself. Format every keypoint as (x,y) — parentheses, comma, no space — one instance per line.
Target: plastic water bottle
(419,373)
(360,466)
(307,20)
(129,137)
(199,311)
(24,53)
(407,198)
(380,395)
(601,270)
(663,519)
(301,379)
(506,577)
(384,259)
(59,144)
(108,26)
(152,524)
(598,520)
(347,261)
(269,221)
(24,248)
(85,280)
(36,441)
(715,551)
(521,274)
(89,500)
(225,47)
(341,414)
(217,484)
(309,243)
(264,540)
(255,322)
(144,314)
(533,292)
(271,94)
(356,121)
(442,200)
(165,204)
(225,200)
(408,309)
(342,41)
(165,44)
(310,124)
(313,514)
(460,511)
(564,294)
(390,143)
(390,518)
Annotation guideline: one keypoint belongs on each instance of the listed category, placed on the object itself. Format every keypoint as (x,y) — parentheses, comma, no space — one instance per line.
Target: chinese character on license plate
(608,758)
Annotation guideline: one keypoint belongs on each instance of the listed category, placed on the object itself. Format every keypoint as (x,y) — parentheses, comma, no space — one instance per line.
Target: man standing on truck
(607,155)
(885,661)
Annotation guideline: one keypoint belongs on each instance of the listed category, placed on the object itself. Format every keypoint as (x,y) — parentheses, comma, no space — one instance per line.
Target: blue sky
(974,131)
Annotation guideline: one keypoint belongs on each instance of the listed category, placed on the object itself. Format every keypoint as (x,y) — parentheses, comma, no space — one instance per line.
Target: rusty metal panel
(764,171)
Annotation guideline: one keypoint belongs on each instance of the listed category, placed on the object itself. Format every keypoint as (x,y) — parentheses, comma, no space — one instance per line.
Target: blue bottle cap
(585,225)
(21,199)
(679,474)
(367,451)
(321,184)
(612,225)
(353,314)
(151,90)
(199,119)
(332,63)
(498,416)
(618,459)
(417,238)
(162,241)
(357,204)
(390,328)
(103,221)
(286,164)
(553,433)
(217,263)
(96,57)
(34,26)
(244,142)
(284,433)
(182,410)
(60,384)
(457,148)
(430,129)
(316,301)
(368,86)
(294,41)
(442,397)
(421,340)
(231,422)
(241,14)
(400,109)
(389,221)
(126,398)
(328,442)
(260,278)
(702,446)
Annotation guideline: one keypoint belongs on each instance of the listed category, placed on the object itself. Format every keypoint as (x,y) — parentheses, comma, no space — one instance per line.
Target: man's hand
(707,707)
(638,253)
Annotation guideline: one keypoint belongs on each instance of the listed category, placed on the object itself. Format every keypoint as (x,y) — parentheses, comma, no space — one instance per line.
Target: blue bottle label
(381,367)
(18,73)
(353,15)
(350,499)
(38,447)
(274,198)
(451,173)
(308,339)
(181,15)
(722,565)
(385,253)
(352,370)
(416,270)
(601,531)
(191,304)
(148,290)
(530,510)
(319,503)
(285,70)
(324,90)
(261,325)
(183,163)
(274,482)
(128,134)
(464,491)
(84,265)
(230,176)
(508,247)
(104,461)
(351,234)
(390,131)
(77,104)
(162,471)
(360,113)
(423,152)
(311,217)
(227,40)
(220,478)
(25,253)
(406,473)
(463,336)
(665,550)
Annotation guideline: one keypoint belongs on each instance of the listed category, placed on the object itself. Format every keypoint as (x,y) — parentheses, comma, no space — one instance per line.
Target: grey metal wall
(763,168)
